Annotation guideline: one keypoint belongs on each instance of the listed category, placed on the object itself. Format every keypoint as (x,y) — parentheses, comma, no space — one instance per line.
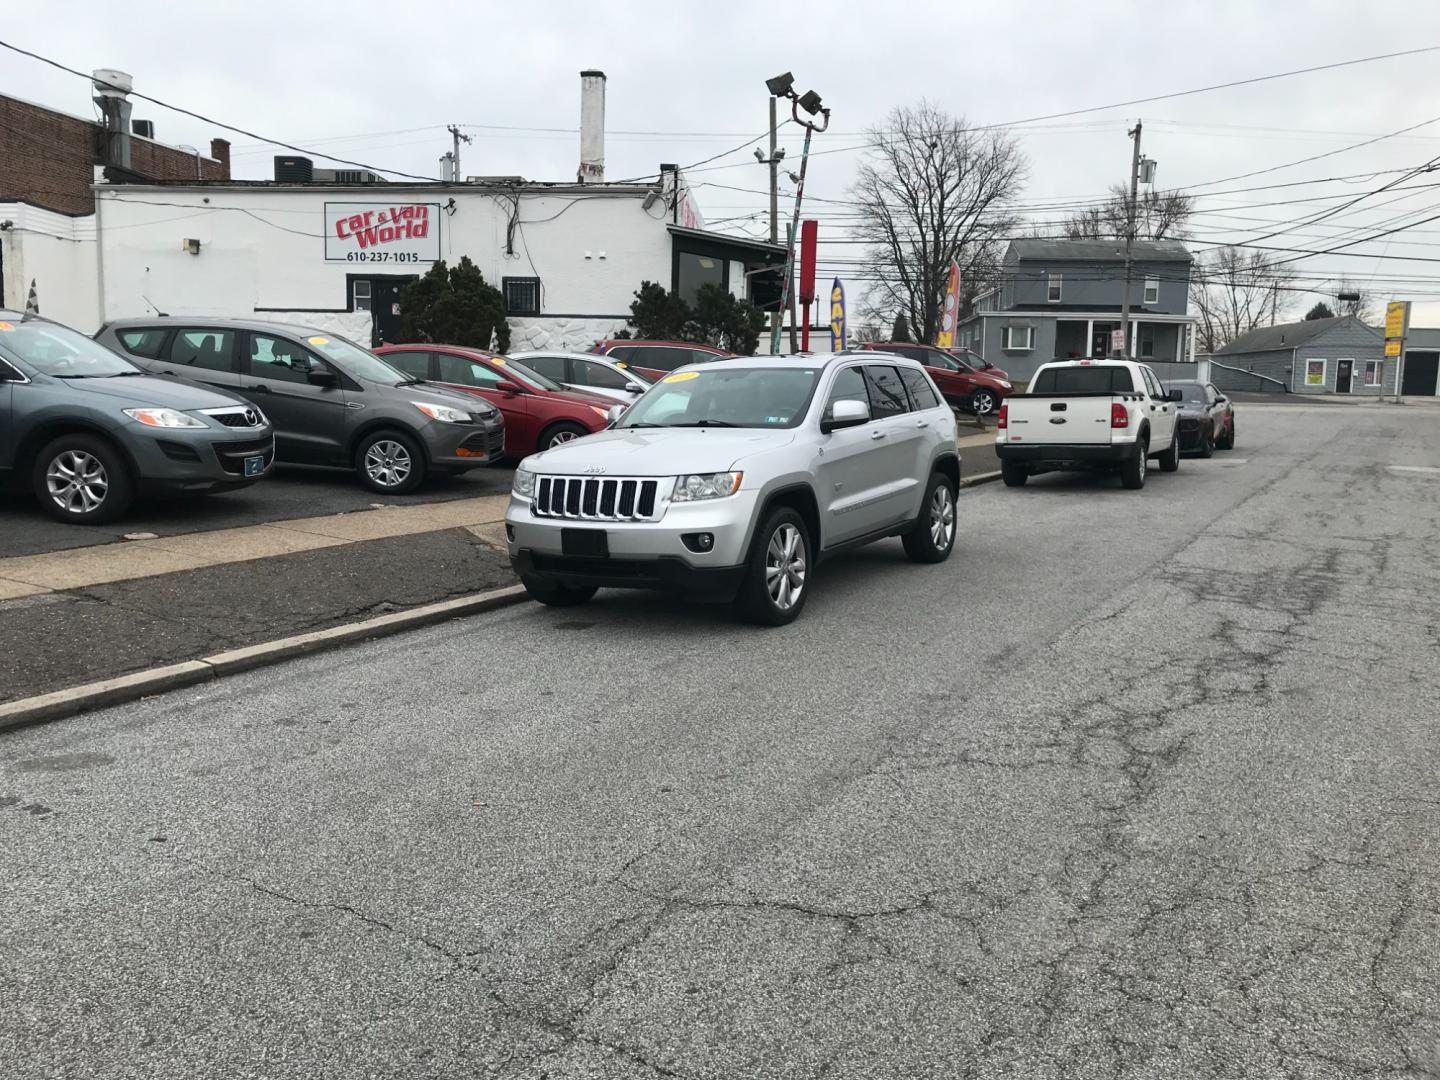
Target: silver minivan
(333,403)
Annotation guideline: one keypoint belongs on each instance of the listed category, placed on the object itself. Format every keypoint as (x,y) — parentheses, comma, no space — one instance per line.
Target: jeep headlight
(524,484)
(699,486)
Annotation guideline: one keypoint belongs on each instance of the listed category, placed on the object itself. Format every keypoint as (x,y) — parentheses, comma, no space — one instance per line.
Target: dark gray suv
(333,403)
(88,431)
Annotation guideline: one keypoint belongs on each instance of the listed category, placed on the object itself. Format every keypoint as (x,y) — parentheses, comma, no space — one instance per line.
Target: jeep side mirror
(847,412)
(614,413)
(634,388)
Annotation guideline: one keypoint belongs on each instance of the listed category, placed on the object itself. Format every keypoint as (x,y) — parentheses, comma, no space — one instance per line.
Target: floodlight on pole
(784,86)
(780,85)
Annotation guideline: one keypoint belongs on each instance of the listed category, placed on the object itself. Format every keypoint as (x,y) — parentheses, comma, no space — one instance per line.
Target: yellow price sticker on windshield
(498,360)
(7,326)
(318,340)
(621,364)
(682,376)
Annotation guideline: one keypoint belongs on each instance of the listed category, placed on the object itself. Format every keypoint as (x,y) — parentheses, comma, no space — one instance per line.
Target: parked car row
(1111,415)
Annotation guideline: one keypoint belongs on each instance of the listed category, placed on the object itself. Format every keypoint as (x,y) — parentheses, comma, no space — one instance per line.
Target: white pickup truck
(1089,414)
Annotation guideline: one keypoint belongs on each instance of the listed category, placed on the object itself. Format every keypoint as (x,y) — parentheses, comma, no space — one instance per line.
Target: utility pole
(456,138)
(774,180)
(1130,239)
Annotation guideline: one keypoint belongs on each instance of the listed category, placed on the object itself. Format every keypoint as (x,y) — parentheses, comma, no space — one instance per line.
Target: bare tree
(934,190)
(1236,291)
(1159,215)
(1363,307)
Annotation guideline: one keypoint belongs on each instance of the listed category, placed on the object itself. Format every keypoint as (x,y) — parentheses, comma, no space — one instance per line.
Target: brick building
(48,162)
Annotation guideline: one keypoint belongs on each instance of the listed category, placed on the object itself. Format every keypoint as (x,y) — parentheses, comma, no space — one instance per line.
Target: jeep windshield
(726,396)
(58,351)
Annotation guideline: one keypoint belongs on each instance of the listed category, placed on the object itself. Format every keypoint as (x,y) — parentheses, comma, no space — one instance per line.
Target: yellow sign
(682,376)
(7,326)
(318,340)
(1392,348)
(1395,319)
(1314,372)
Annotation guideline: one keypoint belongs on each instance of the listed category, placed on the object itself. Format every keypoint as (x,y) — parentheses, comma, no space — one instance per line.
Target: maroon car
(656,359)
(538,413)
(964,386)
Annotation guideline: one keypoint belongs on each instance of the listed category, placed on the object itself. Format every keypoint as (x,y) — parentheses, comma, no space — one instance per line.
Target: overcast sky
(358,78)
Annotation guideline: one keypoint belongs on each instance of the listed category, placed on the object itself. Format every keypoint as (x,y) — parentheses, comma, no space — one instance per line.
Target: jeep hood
(658,451)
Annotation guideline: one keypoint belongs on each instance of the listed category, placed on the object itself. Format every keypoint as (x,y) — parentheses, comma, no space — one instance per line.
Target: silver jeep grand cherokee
(731,481)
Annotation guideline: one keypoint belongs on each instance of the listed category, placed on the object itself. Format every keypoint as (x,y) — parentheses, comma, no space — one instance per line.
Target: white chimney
(592,127)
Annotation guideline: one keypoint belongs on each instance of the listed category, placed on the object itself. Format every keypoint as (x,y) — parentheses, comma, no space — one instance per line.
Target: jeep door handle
(922,423)
(877,434)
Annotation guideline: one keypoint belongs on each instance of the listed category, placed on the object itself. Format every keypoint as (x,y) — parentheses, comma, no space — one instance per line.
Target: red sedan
(538,413)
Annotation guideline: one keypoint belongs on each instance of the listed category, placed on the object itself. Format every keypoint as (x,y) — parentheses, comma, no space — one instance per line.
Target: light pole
(784,86)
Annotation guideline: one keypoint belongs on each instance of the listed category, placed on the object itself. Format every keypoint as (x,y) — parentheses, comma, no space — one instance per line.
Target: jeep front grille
(596,498)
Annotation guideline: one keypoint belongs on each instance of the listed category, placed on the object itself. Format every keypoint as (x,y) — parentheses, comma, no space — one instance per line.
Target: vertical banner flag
(837,316)
(949,309)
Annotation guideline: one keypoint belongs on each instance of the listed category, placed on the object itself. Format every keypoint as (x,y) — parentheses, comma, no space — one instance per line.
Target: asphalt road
(1136,785)
(289,492)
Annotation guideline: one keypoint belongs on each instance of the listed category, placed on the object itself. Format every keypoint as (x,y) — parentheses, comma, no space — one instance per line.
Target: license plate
(255,465)
(594,543)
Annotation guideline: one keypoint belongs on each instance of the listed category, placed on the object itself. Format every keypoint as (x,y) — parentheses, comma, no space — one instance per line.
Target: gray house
(1321,356)
(1062,298)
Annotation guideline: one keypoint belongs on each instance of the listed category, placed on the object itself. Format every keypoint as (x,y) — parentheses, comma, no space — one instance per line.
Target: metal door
(1344,373)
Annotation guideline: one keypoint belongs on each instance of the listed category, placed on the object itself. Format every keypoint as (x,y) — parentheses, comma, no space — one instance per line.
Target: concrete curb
(980,478)
(61,704)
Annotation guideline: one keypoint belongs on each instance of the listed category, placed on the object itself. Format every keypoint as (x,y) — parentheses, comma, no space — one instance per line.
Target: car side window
(589,373)
(700,356)
(1152,387)
(277,358)
(145,342)
(887,392)
(941,360)
(209,349)
(1212,393)
(552,367)
(414,364)
(660,357)
(622,352)
(921,392)
(466,372)
(849,386)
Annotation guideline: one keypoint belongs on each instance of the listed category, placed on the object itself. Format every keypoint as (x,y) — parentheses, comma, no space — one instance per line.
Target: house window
(360,295)
(522,295)
(1372,372)
(694,271)
(1152,290)
(1147,340)
(1315,372)
(1052,292)
(1020,338)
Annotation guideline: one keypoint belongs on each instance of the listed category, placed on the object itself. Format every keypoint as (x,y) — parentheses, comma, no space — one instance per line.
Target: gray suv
(333,403)
(87,431)
(732,481)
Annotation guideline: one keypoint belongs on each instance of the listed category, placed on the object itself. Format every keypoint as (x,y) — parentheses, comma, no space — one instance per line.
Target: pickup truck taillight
(1003,421)
(1119,416)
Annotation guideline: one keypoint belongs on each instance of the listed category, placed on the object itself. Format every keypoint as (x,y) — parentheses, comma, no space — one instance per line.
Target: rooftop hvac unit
(294,170)
(144,128)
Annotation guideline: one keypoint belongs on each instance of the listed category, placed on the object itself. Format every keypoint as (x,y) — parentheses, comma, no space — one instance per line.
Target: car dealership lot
(1089,799)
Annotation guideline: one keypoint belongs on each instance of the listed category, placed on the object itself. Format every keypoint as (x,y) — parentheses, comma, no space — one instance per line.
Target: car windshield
(1190,391)
(361,363)
(52,349)
(527,375)
(726,396)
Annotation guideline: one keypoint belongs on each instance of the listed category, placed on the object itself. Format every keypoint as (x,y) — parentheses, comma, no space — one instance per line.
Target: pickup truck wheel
(777,577)
(1132,472)
(1013,475)
(932,537)
(557,595)
(82,479)
(1170,459)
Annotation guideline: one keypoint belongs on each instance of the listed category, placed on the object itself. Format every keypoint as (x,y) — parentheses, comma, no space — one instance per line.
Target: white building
(568,257)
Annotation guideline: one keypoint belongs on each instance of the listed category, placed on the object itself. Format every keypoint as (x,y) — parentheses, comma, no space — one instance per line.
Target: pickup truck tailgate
(1078,420)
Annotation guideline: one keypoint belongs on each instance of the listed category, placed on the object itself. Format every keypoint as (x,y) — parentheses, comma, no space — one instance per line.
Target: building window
(360,296)
(1147,340)
(1372,372)
(1152,290)
(1020,338)
(522,295)
(1052,290)
(1315,372)
(693,271)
